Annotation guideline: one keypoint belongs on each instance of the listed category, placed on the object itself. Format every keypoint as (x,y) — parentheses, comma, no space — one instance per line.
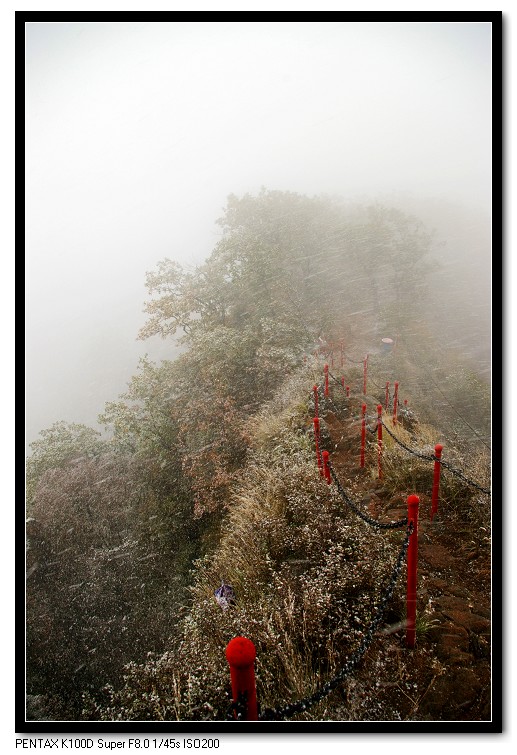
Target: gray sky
(137,132)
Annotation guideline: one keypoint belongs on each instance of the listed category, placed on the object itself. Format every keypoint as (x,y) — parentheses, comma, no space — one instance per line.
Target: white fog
(136,133)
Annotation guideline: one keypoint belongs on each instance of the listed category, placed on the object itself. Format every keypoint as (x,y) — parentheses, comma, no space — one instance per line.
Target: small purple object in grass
(225,596)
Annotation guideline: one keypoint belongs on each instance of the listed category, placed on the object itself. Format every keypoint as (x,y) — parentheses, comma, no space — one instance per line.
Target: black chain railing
(238,709)
(374,427)
(379,387)
(426,457)
(407,448)
(444,464)
(353,361)
(357,510)
(457,473)
(278,714)
(337,380)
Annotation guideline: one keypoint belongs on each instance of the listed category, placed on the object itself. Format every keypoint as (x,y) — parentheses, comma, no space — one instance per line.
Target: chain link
(237,709)
(365,517)
(371,380)
(353,361)
(406,448)
(275,714)
(444,464)
(418,454)
(459,474)
(336,380)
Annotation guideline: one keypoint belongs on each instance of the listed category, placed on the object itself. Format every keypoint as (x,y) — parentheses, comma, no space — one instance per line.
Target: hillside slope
(309,575)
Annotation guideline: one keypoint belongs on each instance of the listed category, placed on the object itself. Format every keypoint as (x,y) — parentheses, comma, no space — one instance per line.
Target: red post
(387,402)
(240,654)
(315,389)
(395,400)
(348,391)
(317,443)
(365,372)
(412,560)
(326,470)
(436,480)
(326,371)
(379,439)
(363,435)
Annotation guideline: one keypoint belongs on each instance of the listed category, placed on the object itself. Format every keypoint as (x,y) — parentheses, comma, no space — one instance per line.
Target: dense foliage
(303,265)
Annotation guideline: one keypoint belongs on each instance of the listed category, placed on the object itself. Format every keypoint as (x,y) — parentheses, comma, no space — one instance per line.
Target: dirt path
(447,677)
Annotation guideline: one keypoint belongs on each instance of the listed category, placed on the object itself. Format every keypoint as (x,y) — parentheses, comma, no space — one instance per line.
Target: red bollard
(365,372)
(315,389)
(387,402)
(395,400)
(317,443)
(348,391)
(412,560)
(379,439)
(363,435)
(326,371)
(436,480)
(240,654)
(343,381)
(326,470)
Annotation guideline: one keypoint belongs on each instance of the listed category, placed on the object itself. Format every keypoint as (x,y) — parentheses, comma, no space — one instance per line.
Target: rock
(450,637)
(442,700)
(459,658)
(459,592)
(471,621)
(437,556)
(435,584)
(451,603)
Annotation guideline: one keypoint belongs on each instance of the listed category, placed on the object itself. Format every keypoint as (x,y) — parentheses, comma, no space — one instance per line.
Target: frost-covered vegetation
(207,474)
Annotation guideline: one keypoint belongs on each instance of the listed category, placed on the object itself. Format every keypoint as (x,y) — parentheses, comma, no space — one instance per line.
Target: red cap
(240,652)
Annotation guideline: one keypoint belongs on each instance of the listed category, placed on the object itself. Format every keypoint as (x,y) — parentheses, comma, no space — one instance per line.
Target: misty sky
(137,132)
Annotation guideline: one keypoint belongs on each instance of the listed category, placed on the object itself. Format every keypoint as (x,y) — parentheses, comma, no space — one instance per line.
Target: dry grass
(306,577)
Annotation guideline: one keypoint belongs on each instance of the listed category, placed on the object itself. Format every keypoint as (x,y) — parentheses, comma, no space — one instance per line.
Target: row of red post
(241,653)
(327,349)
(365,379)
(322,459)
(319,456)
